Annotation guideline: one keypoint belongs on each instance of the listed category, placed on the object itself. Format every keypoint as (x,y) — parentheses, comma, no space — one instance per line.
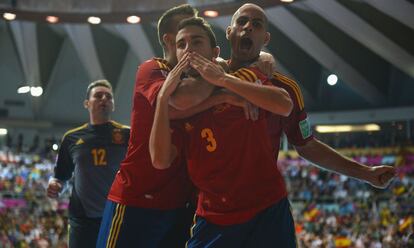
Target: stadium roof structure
(368,44)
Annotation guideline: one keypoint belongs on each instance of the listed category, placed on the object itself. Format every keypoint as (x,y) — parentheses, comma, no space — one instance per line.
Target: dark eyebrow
(254,19)
(241,18)
(258,20)
(196,36)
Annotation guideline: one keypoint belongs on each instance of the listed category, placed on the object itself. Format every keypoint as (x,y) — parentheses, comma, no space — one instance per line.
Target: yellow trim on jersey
(246,75)
(120,125)
(116,226)
(293,85)
(192,229)
(240,75)
(251,73)
(163,64)
(75,129)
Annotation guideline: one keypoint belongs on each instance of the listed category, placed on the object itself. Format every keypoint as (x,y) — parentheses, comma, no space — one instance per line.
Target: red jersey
(230,160)
(138,183)
(296,126)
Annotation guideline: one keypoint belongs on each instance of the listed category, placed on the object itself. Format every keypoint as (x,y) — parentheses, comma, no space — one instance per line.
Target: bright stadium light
(94,20)
(55,147)
(332,79)
(36,91)
(9,16)
(211,13)
(3,131)
(52,19)
(347,128)
(133,19)
(286,1)
(23,89)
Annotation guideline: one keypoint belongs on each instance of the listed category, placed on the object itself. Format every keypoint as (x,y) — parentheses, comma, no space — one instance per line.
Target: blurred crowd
(329,210)
(336,211)
(27,217)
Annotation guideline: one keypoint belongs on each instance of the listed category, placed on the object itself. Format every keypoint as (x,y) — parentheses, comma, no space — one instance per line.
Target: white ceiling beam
(25,36)
(82,39)
(323,54)
(401,10)
(137,41)
(48,92)
(123,94)
(357,28)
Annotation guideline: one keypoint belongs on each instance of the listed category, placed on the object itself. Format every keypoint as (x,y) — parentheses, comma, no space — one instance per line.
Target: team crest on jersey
(305,129)
(117,136)
(221,107)
(188,127)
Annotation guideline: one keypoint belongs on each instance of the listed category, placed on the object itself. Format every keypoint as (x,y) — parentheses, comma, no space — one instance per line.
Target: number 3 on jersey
(99,156)
(207,134)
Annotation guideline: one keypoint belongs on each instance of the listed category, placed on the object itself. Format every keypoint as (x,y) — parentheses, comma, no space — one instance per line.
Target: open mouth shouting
(245,44)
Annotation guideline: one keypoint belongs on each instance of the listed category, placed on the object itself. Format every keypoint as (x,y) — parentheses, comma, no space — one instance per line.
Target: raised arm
(190,93)
(270,98)
(219,96)
(326,157)
(162,151)
(196,91)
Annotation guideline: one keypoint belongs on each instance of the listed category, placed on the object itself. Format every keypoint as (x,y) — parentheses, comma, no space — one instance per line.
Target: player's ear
(86,104)
(228,31)
(267,38)
(168,39)
(216,51)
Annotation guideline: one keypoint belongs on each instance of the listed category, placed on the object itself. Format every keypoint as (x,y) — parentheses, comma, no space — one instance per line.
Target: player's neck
(98,120)
(236,63)
(171,60)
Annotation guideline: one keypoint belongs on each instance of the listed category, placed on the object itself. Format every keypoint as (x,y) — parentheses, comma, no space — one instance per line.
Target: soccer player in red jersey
(229,158)
(146,207)
(296,125)
(236,208)
(145,204)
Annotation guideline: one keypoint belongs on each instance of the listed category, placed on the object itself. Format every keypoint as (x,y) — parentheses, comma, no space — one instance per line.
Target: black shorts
(83,232)
(273,227)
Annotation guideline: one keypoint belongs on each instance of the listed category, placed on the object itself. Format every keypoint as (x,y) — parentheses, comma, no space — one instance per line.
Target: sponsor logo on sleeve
(305,129)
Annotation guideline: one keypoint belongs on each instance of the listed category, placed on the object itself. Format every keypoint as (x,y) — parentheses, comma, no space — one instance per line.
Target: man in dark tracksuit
(93,152)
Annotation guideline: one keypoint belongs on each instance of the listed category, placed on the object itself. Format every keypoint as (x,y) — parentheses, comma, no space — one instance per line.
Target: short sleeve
(64,163)
(296,126)
(149,79)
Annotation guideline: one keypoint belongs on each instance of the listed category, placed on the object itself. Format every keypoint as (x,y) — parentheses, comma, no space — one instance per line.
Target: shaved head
(247,33)
(249,6)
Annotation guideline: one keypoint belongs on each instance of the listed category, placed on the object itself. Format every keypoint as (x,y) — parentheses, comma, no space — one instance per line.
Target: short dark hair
(97,83)
(165,23)
(199,22)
